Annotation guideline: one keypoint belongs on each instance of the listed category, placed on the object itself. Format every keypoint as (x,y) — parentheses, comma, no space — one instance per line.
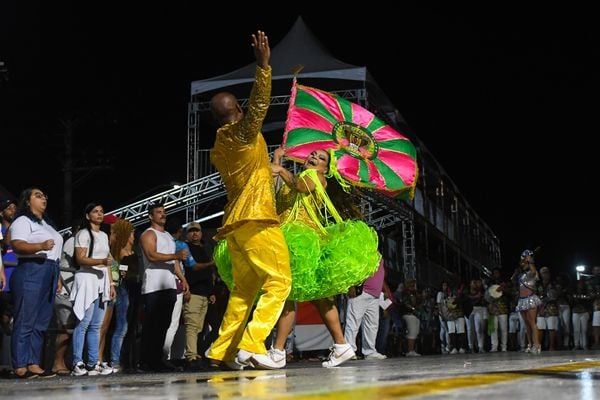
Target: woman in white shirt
(92,289)
(34,282)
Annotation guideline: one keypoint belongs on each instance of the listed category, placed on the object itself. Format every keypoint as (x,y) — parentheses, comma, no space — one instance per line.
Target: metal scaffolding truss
(382,212)
(409,269)
(282,100)
(193,193)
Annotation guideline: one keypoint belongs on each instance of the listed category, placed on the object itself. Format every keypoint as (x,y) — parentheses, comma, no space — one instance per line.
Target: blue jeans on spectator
(33,284)
(383,332)
(88,328)
(120,311)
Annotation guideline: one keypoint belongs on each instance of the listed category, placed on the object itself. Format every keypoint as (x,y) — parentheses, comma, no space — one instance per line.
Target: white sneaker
(93,371)
(454,351)
(79,370)
(375,356)
(106,369)
(243,357)
(340,353)
(413,354)
(99,369)
(233,365)
(278,356)
(462,351)
(264,361)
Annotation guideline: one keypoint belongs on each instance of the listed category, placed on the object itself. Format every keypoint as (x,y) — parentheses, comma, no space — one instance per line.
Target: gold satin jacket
(241,157)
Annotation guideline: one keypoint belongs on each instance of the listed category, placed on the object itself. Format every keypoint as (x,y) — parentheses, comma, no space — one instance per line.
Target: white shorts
(413,326)
(549,323)
(456,326)
(596,319)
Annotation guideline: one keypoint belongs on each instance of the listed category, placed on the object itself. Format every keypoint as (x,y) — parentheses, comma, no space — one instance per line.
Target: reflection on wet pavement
(505,375)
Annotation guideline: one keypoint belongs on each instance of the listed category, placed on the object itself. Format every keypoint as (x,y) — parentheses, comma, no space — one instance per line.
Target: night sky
(505,99)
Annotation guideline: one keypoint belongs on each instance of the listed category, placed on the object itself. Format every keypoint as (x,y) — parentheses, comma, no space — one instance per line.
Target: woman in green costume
(347,249)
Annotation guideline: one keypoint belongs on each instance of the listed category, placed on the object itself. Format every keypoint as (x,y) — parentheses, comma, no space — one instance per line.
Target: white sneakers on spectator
(79,370)
(105,368)
(99,369)
(375,356)
(412,354)
(340,353)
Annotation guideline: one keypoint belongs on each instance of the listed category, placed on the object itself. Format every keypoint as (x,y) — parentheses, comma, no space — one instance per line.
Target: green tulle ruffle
(321,266)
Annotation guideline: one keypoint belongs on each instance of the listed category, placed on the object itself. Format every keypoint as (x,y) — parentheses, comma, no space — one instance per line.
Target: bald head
(225,108)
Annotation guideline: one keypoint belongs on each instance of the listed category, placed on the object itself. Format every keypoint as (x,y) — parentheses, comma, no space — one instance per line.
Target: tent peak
(298,46)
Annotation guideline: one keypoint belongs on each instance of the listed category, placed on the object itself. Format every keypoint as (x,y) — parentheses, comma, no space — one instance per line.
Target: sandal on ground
(45,374)
(27,375)
(62,372)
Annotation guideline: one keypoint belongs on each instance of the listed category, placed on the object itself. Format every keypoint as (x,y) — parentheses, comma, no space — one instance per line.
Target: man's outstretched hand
(262,51)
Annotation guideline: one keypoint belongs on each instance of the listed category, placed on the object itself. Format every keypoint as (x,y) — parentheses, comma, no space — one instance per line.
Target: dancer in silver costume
(528,301)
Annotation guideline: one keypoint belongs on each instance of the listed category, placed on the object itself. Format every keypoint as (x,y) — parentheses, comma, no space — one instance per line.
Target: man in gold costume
(259,253)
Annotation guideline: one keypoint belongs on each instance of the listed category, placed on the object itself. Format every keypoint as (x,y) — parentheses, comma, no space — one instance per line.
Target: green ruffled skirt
(321,266)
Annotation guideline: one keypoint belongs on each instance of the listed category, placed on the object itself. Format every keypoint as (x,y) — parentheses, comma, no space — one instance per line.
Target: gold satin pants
(260,260)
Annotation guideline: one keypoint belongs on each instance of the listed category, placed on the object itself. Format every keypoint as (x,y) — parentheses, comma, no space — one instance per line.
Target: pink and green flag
(368,152)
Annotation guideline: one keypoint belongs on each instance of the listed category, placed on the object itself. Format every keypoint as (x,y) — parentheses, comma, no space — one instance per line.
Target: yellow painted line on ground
(438,386)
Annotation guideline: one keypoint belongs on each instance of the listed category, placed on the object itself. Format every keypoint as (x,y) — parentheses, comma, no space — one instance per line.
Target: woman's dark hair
(85,222)
(345,203)
(24,208)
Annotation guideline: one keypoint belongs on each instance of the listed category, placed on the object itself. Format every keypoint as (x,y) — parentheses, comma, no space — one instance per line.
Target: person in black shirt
(200,279)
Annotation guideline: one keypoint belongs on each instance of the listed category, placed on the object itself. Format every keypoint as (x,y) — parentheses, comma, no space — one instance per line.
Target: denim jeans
(383,333)
(33,285)
(88,328)
(120,315)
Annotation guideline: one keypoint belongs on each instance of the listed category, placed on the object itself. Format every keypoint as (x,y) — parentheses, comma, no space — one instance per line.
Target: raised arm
(260,97)
(262,51)
(303,184)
